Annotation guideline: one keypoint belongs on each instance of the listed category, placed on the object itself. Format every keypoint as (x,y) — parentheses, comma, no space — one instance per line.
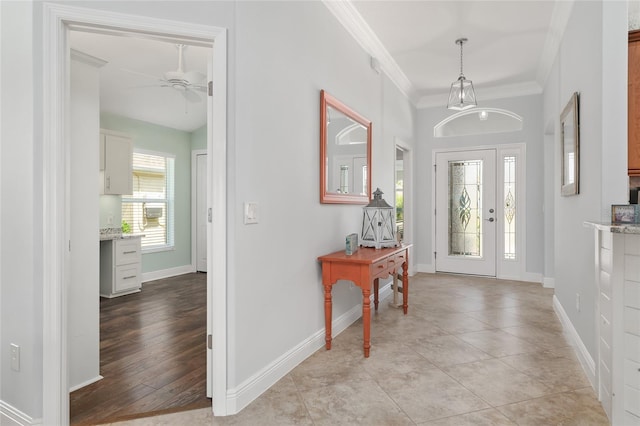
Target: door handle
(490,219)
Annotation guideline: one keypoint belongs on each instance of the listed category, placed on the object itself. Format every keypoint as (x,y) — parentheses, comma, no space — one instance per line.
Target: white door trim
(409,194)
(514,270)
(55,169)
(194,179)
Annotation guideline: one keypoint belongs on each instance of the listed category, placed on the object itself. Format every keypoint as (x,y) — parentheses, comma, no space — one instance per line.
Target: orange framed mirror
(345,153)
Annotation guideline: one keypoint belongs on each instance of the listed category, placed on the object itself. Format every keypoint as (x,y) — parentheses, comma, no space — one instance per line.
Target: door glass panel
(510,208)
(465,208)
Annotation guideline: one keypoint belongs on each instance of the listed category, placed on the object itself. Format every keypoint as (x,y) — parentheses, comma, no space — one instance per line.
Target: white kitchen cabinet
(120,267)
(116,164)
(618,327)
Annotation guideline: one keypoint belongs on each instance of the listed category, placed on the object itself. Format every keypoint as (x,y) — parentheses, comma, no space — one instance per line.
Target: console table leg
(327,315)
(375,292)
(366,321)
(405,286)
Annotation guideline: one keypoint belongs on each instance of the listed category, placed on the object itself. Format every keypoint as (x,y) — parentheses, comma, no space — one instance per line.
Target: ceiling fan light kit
(462,96)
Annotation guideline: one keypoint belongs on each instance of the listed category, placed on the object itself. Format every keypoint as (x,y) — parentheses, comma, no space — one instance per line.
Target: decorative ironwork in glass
(510,207)
(465,208)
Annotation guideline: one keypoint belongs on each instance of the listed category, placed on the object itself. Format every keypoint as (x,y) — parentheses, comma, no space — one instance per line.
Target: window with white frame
(150,209)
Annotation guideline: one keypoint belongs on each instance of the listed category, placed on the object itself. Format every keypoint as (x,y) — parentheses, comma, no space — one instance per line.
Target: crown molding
(559,19)
(87,59)
(354,23)
(496,92)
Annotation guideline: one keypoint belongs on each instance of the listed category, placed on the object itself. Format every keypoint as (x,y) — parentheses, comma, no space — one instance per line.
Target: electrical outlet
(15,357)
(578,302)
(110,219)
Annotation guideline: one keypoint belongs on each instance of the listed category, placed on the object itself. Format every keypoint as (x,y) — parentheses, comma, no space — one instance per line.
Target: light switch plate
(250,213)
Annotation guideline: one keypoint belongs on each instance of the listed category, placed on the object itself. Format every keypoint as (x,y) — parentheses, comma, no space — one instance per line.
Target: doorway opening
(149,203)
(57,253)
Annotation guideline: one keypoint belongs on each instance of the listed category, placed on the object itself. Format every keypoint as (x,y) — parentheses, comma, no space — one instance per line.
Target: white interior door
(465,212)
(201,212)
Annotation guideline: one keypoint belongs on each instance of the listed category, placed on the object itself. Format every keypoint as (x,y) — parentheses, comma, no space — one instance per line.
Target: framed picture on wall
(570,145)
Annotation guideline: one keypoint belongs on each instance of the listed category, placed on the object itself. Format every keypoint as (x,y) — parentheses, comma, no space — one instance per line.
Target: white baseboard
(531,277)
(241,396)
(167,273)
(426,268)
(548,282)
(587,362)
(83,384)
(10,416)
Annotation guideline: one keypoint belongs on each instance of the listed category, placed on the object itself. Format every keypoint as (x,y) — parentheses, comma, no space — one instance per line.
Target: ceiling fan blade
(194,77)
(145,86)
(198,88)
(191,96)
(141,74)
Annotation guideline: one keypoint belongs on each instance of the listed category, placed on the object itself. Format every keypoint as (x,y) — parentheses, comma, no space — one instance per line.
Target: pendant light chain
(461,43)
(462,95)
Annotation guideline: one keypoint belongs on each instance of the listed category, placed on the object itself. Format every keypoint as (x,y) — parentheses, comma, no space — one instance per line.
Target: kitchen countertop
(116,234)
(616,228)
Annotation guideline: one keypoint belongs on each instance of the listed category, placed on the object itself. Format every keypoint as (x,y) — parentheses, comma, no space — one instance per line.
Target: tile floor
(471,351)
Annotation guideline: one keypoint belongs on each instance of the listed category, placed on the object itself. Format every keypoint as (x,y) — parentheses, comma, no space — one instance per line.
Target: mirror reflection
(345,145)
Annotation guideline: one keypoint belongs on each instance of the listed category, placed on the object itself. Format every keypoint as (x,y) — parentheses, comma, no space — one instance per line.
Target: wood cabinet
(120,267)
(116,164)
(634,104)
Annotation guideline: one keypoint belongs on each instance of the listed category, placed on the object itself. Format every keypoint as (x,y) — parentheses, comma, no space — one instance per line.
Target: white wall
(281,54)
(83,314)
(591,72)
(530,108)
(299,49)
(21,321)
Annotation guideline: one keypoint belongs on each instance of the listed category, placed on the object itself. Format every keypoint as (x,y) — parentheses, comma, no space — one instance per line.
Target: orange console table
(363,268)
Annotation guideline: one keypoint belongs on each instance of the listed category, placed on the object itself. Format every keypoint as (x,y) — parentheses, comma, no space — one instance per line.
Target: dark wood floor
(152,353)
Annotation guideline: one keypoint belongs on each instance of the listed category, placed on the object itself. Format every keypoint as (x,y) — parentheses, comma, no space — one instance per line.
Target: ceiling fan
(187,83)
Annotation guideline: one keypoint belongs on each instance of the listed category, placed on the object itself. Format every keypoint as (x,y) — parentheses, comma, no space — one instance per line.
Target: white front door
(201,212)
(466,212)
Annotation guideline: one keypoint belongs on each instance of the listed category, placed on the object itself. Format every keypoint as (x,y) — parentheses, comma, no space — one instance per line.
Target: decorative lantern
(378,223)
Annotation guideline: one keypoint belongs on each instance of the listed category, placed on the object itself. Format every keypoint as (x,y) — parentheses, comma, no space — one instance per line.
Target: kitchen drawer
(606,331)
(632,244)
(605,260)
(632,373)
(605,353)
(632,400)
(630,419)
(606,240)
(606,307)
(632,321)
(605,377)
(127,277)
(127,251)
(632,294)
(605,283)
(632,268)
(632,347)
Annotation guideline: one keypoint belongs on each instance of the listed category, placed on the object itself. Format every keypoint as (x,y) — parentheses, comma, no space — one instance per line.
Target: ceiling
(413,42)
(130,79)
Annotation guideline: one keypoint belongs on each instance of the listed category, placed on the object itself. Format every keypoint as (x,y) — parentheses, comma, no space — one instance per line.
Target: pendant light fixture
(462,96)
